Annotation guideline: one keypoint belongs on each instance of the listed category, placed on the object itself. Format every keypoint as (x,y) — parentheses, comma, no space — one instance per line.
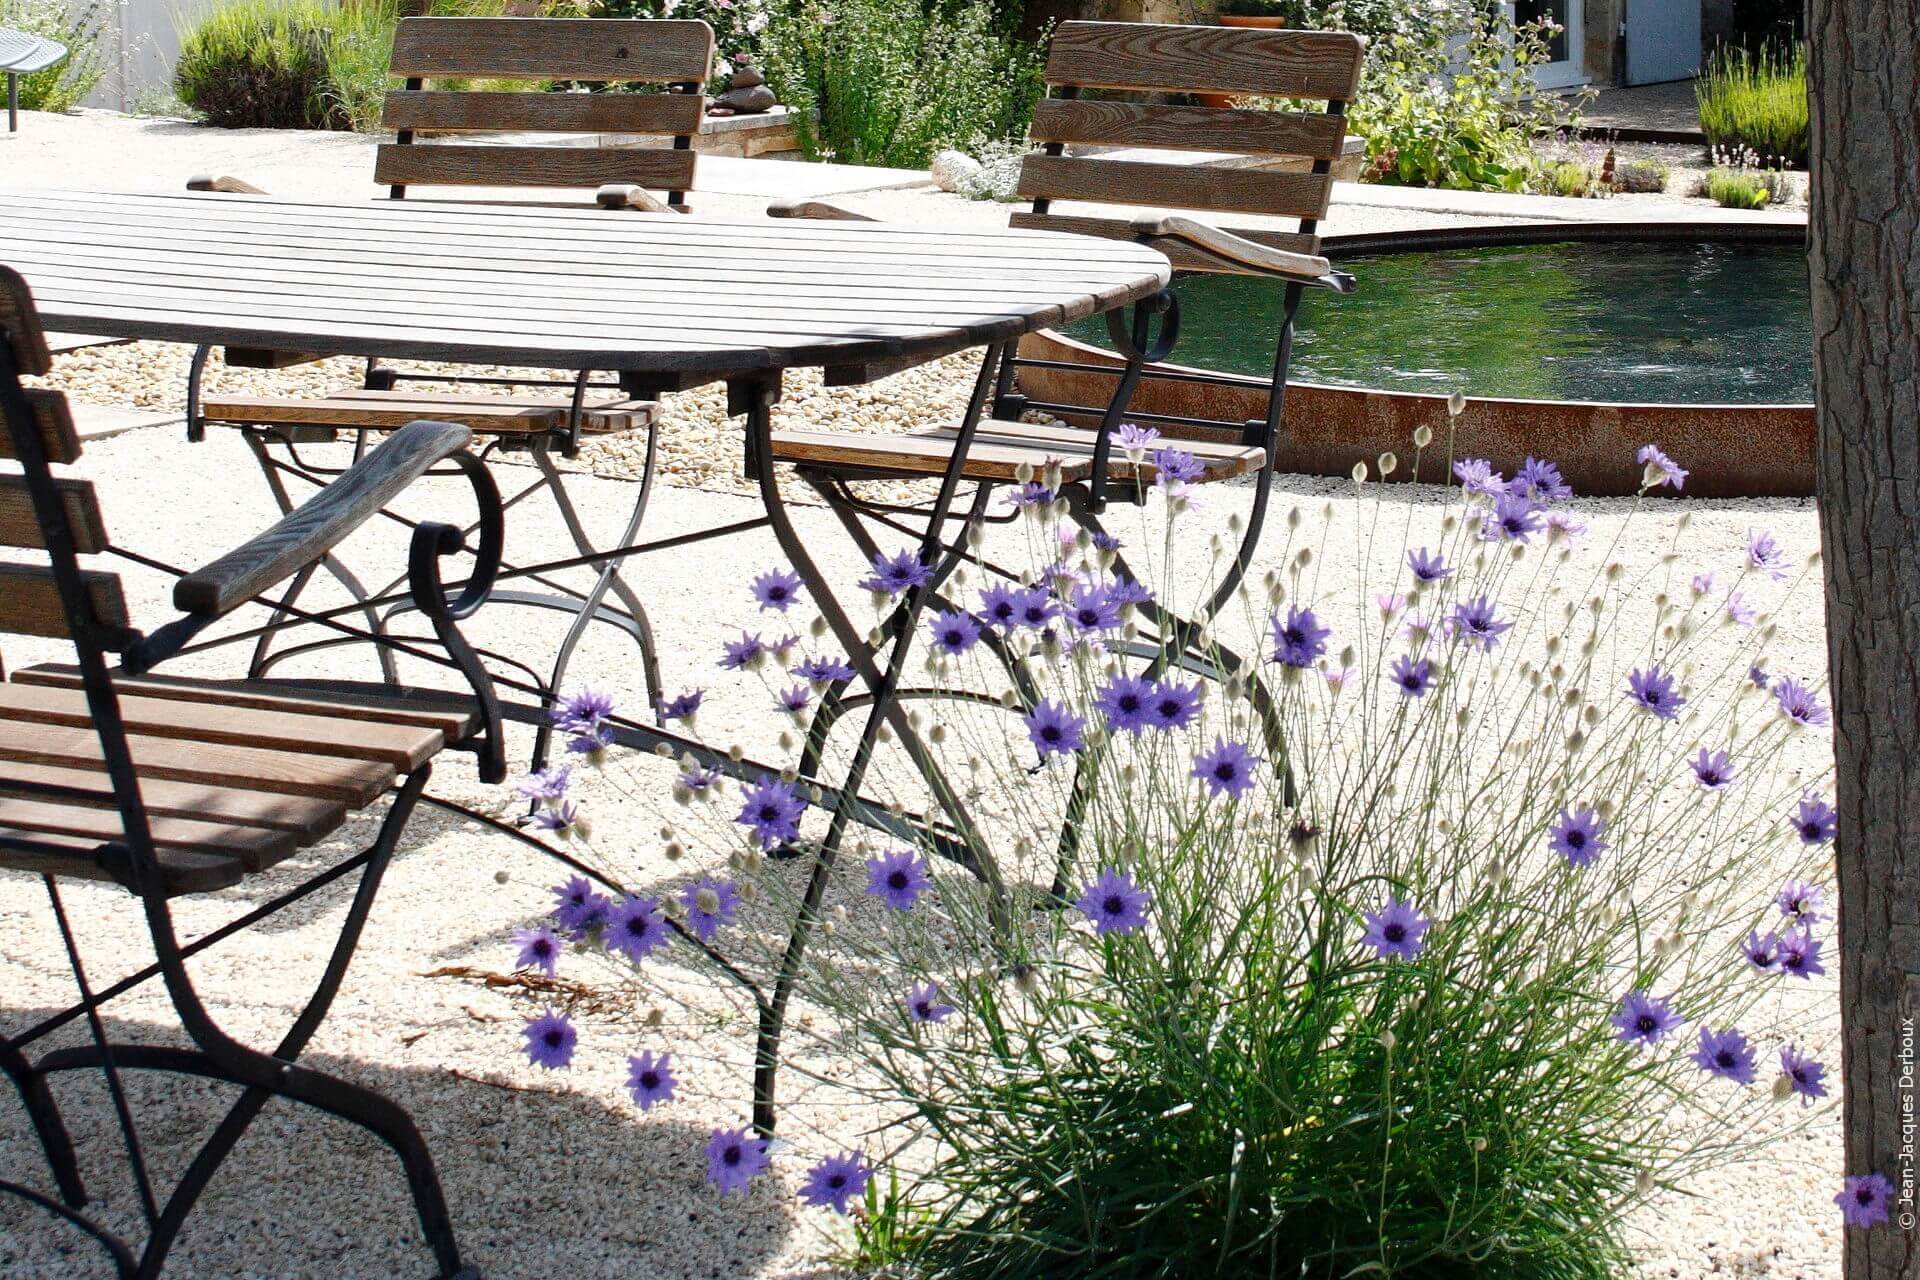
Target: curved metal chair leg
(47,1125)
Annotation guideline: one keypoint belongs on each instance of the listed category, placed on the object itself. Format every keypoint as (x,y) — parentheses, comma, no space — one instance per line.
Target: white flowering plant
(1456,889)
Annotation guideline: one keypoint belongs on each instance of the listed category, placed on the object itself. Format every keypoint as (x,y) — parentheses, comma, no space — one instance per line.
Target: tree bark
(1864,222)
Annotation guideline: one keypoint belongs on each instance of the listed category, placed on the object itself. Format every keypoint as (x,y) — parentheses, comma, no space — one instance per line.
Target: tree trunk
(1864,80)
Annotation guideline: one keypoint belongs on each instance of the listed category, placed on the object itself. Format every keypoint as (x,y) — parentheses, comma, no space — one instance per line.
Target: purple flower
(1800,953)
(1115,903)
(635,928)
(1093,609)
(894,574)
(1798,703)
(1428,566)
(1176,466)
(772,809)
(1702,583)
(550,1040)
(710,904)
(1514,519)
(1125,702)
(1390,602)
(1030,494)
(954,632)
(1478,478)
(1298,639)
(1396,931)
(1105,541)
(699,781)
(1653,690)
(898,878)
(781,646)
(734,1159)
(1579,836)
(1133,438)
(1725,1054)
(1124,591)
(997,606)
(1055,730)
(1227,768)
(1757,676)
(546,785)
(738,655)
(1801,902)
(823,670)
(1764,554)
(682,707)
(539,949)
(1739,612)
(796,698)
(1474,623)
(924,1004)
(1762,953)
(577,908)
(1660,470)
(1863,1200)
(1173,705)
(1713,770)
(1540,481)
(650,1079)
(1562,523)
(1644,1019)
(836,1181)
(1413,678)
(1417,628)
(1804,1075)
(777,589)
(591,745)
(1816,821)
(582,712)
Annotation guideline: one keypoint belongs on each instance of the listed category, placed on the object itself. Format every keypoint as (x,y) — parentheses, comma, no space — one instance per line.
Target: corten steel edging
(1741,450)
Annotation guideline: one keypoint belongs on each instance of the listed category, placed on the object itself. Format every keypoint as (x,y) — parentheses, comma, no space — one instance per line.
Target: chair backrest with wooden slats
(43,512)
(1163,58)
(627,51)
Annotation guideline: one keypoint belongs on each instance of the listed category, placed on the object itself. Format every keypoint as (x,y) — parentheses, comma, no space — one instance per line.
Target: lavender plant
(1477,904)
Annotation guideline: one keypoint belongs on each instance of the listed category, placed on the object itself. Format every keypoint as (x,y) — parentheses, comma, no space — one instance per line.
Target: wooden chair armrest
(804,208)
(223,182)
(628,195)
(310,531)
(1245,254)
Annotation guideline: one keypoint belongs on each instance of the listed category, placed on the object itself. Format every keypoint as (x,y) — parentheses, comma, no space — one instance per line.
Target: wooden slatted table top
(589,289)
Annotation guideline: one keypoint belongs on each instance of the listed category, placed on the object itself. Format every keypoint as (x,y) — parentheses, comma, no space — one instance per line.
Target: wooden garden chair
(1167,206)
(168,787)
(537,417)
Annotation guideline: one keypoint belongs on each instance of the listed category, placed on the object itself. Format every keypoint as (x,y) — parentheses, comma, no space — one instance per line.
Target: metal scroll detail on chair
(169,787)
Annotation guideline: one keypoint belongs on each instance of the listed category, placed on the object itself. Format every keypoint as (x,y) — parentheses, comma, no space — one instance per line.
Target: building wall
(1601,33)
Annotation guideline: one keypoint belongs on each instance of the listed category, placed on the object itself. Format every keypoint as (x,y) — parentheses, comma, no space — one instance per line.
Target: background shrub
(1757,100)
(1641,177)
(894,81)
(261,64)
(79,28)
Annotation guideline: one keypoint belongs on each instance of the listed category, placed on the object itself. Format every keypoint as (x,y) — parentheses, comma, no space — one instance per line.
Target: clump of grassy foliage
(1757,99)
(80,28)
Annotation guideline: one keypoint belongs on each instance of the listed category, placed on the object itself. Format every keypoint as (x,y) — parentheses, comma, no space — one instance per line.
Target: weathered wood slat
(401,747)
(911,454)
(644,113)
(1175,186)
(304,816)
(55,420)
(20,525)
(256,848)
(439,164)
(453,717)
(1141,55)
(316,526)
(183,870)
(1122,229)
(1313,135)
(353,782)
(623,49)
(30,602)
(1222,459)
(20,326)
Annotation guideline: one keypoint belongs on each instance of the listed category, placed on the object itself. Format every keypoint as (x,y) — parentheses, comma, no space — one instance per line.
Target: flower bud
(501,877)
(1359,473)
(1388,463)
(1422,436)
(1387,1041)
(1479,1144)
(1456,404)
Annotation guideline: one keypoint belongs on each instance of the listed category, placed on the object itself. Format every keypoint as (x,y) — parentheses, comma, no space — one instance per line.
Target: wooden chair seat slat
(1312,136)
(386,410)
(306,817)
(442,164)
(354,782)
(451,717)
(1122,229)
(256,848)
(1176,186)
(431,111)
(55,420)
(620,49)
(30,601)
(1144,55)
(184,870)
(999,448)
(401,747)
(20,526)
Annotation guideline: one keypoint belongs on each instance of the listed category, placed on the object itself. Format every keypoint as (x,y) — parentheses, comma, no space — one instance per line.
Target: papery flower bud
(1024,473)
(1422,436)
(1388,1040)
(1388,463)
(1359,473)
(1479,1144)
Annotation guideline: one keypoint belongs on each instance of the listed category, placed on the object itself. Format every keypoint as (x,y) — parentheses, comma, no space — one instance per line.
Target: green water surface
(1709,323)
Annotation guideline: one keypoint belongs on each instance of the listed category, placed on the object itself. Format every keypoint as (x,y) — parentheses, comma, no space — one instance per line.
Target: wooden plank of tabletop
(560,290)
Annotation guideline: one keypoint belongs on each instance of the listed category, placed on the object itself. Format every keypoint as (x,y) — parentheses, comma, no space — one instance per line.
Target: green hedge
(1757,101)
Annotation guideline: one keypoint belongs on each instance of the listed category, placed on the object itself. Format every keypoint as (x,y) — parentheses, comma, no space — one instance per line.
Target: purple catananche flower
(1815,821)
(953,633)
(836,1182)
(823,670)
(683,707)
(1803,1074)
(1578,836)
(777,589)
(898,878)
(1864,1200)
(1474,622)
(1427,566)
(1713,770)
(924,1004)
(771,810)
(1396,931)
(997,607)
(1653,689)
(1644,1019)
(1054,730)
(635,928)
(1413,678)
(1124,702)
(1659,470)
(1801,902)
(710,904)
(1514,519)
(577,907)
(550,1040)
(1115,903)
(1766,555)
(545,786)
(650,1079)
(739,655)
(734,1159)
(1134,438)
(1763,953)
(1478,478)
(1173,705)
(1800,954)
(1176,466)
(896,573)
(1226,768)
(1739,612)
(582,712)
(1725,1054)
(1799,703)
(1541,481)
(1092,609)
(539,949)
(1299,638)
(796,698)
(1035,607)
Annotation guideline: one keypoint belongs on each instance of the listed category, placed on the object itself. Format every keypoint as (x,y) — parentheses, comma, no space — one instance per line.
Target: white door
(1566,64)
(1663,40)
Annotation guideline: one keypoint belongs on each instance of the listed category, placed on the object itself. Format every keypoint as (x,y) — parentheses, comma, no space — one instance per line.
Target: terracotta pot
(1261,23)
